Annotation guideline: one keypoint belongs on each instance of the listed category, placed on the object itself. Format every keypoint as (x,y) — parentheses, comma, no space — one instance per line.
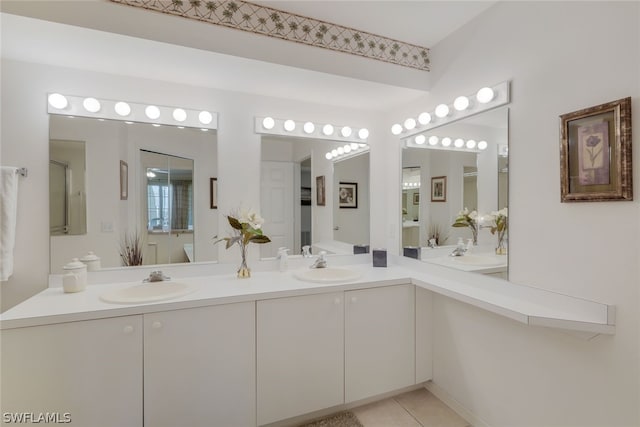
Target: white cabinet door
(300,349)
(91,370)
(199,367)
(424,335)
(379,340)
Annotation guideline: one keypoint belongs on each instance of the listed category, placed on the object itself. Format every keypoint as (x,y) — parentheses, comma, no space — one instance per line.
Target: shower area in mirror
(67,210)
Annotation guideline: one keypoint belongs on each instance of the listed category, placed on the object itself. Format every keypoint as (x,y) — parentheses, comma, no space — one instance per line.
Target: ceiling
(102,36)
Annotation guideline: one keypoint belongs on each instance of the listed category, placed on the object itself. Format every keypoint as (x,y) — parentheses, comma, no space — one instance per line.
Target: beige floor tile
(429,410)
(386,413)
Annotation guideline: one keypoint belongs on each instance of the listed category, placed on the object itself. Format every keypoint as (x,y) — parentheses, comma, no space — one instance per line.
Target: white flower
(504,212)
(473,215)
(250,217)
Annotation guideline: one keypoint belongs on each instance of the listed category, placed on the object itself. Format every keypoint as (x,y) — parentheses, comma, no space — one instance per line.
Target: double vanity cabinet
(234,364)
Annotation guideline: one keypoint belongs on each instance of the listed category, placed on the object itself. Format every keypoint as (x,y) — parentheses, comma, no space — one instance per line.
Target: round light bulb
(354,146)
(328,156)
(58,101)
(179,115)
(345,132)
(482,145)
(396,129)
(309,127)
(471,144)
(433,140)
(442,111)
(334,152)
(268,123)
(459,143)
(92,105)
(327,130)
(347,148)
(362,145)
(410,123)
(485,95)
(420,139)
(424,118)
(446,141)
(461,103)
(340,150)
(122,109)
(152,112)
(289,125)
(363,133)
(205,117)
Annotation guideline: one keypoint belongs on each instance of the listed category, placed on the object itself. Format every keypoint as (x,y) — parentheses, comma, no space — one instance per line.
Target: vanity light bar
(69,105)
(307,129)
(434,142)
(486,98)
(347,151)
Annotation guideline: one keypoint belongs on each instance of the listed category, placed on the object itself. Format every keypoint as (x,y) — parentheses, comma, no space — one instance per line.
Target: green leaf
(459,224)
(259,239)
(234,223)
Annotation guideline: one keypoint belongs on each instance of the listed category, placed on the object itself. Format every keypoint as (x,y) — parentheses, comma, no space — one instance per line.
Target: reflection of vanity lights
(308,129)
(463,106)
(446,141)
(443,143)
(433,140)
(458,143)
(346,151)
(421,139)
(116,110)
(410,185)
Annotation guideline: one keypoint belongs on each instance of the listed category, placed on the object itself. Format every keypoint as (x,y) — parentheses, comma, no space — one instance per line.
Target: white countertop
(525,304)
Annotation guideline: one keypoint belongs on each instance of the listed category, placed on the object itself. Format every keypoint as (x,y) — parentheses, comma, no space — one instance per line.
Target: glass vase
(501,248)
(244,272)
(474,233)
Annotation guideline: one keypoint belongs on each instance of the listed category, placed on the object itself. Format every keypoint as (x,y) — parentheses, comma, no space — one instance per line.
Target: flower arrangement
(468,219)
(247,228)
(131,249)
(500,225)
(435,233)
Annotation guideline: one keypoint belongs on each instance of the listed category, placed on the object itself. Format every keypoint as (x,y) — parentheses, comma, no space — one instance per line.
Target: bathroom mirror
(300,196)
(476,180)
(117,191)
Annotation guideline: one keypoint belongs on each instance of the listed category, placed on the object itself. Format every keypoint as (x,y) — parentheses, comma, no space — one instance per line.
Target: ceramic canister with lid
(92,261)
(75,276)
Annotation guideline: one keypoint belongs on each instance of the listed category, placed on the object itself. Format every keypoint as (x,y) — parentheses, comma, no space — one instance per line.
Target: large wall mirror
(307,199)
(112,180)
(438,182)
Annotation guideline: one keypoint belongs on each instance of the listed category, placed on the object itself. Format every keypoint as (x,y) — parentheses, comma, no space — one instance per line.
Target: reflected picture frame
(439,189)
(213,193)
(124,180)
(595,153)
(416,198)
(348,195)
(320,191)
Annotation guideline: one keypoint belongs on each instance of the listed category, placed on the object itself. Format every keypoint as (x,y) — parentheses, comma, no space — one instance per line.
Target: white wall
(560,57)
(25,130)
(352,224)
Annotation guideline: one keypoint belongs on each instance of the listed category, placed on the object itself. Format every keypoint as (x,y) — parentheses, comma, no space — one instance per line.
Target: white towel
(8,216)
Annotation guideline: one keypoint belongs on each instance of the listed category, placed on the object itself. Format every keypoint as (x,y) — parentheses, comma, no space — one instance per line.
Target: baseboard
(458,407)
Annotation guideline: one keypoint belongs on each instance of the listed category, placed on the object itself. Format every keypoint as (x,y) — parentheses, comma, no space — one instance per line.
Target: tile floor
(418,408)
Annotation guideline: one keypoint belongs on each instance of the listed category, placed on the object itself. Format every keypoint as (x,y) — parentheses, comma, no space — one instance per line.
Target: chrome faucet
(320,262)
(432,243)
(306,251)
(460,249)
(156,276)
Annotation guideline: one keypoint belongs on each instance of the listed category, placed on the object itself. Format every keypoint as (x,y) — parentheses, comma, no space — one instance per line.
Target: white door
(300,353)
(199,366)
(276,206)
(90,370)
(379,341)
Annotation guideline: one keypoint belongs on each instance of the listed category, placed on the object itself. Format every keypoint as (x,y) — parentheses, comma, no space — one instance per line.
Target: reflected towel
(8,217)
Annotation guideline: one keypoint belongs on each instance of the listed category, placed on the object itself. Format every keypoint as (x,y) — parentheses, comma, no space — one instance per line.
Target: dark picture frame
(124,180)
(416,198)
(595,153)
(320,191)
(348,195)
(439,189)
(213,193)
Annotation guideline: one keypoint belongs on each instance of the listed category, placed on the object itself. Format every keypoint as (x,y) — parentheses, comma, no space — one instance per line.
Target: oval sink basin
(146,292)
(480,260)
(327,275)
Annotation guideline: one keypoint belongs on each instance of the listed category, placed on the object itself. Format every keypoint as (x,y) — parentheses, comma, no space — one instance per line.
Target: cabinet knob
(127,329)
(156,325)
(354,300)
(336,301)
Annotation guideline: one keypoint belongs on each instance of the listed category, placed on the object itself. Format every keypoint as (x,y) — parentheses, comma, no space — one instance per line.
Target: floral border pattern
(283,25)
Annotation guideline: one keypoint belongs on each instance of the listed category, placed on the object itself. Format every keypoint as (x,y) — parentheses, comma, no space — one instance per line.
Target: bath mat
(342,419)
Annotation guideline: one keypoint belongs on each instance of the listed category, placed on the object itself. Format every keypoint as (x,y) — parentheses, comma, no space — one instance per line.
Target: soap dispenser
(283,257)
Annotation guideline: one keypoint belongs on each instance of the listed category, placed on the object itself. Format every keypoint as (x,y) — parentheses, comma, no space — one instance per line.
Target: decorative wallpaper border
(251,17)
